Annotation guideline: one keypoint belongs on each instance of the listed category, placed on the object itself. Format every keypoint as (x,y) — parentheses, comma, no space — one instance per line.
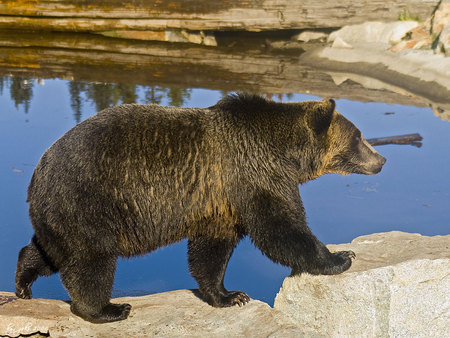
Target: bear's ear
(321,115)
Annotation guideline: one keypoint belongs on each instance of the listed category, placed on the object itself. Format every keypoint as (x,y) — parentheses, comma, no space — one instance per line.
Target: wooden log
(216,15)
(412,139)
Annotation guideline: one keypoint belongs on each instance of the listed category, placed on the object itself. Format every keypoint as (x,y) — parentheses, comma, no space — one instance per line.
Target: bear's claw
(348,253)
(23,292)
(226,299)
(240,298)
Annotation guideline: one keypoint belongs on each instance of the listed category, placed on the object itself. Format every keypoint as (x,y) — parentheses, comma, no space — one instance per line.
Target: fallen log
(412,139)
(215,15)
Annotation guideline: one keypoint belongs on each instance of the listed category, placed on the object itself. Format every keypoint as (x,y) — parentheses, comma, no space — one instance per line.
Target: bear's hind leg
(89,283)
(31,264)
(208,260)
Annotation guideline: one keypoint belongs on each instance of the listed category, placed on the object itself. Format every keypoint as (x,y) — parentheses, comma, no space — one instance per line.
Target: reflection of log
(413,139)
(252,15)
(99,59)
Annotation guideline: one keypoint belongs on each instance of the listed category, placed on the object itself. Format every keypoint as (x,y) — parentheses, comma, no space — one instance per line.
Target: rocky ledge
(409,55)
(397,286)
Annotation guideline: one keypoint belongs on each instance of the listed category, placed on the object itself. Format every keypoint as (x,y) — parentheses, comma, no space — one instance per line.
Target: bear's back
(130,166)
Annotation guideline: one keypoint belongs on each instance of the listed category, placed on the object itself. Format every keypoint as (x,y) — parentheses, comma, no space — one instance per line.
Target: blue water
(412,193)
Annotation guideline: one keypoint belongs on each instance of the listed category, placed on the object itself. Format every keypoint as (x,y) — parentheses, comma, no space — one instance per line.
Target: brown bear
(134,178)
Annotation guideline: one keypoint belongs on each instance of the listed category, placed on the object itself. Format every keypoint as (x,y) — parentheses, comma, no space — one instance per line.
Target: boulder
(374,31)
(443,45)
(441,16)
(170,314)
(307,36)
(433,33)
(398,286)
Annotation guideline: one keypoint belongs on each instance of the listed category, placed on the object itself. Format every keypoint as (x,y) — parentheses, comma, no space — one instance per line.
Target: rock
(208,39)
(170,314)
(433,33)
(413,44)
(442,111)
(417,38)
(443,45)
(197,37)
(340,43)
(391,32)
(441,16)
(307,36)
(398,286)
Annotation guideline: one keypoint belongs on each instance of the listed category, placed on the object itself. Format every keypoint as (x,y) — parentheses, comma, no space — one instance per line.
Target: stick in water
(413,139)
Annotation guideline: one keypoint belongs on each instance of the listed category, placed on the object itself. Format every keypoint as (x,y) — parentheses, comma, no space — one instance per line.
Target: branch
(412,139)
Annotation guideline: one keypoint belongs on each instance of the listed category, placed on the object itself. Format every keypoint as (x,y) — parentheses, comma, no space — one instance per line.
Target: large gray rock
(398,286)
(170,314)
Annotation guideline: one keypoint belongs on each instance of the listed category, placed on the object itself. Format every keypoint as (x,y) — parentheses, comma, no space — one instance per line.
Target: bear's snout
(375,166)
(372,162)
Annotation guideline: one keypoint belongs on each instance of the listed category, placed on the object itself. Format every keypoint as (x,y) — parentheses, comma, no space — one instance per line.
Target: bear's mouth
(374,167)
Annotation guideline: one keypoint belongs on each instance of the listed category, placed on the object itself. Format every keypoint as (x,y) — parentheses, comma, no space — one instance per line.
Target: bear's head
(341,146)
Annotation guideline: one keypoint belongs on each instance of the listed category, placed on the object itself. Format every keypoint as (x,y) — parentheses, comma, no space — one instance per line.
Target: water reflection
(21,90)
(102,95)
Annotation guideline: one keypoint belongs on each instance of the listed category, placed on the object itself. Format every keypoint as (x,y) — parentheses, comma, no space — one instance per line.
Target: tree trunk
(216,15)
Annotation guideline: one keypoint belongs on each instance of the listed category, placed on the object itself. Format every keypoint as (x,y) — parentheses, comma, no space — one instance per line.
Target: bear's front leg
(208,259)
(277,226)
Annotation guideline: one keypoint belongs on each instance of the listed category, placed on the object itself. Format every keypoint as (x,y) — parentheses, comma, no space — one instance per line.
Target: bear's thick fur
(134,178)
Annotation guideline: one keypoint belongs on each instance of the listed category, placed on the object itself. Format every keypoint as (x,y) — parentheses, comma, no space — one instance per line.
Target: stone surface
(398,286)
(384,32)
(413,44)
(417,38)
(443,112)
(441,16)
(306,36)
(434,33)
(170,314)
(443,45)
(198,37)
(340,43)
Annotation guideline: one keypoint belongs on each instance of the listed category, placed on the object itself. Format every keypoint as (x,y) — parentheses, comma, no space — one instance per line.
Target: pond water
(412,193)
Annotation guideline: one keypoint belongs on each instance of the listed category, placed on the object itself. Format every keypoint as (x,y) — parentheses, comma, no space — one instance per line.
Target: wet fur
(134,178)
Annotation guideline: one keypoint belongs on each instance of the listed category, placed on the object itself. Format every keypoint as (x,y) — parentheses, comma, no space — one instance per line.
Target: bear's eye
(357,137)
